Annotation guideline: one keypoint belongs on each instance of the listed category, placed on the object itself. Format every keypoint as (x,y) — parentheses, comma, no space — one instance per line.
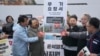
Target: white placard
(84,52)
(55,14)
(55,8)
(53,48)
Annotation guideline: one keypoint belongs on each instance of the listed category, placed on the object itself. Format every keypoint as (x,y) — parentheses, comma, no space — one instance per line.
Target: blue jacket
(21,40)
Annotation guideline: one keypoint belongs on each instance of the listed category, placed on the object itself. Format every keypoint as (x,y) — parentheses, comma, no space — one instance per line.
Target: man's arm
(78,35)
(23,36)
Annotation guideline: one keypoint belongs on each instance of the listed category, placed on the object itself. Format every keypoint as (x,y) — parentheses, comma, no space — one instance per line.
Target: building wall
(37,10)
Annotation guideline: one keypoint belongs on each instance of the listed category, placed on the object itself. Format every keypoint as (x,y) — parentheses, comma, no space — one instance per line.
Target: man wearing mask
(36,48)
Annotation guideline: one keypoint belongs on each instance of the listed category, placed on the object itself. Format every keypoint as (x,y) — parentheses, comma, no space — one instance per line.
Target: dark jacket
(8,29)
(81,42)
(36,48)
(68,41)
(93,44)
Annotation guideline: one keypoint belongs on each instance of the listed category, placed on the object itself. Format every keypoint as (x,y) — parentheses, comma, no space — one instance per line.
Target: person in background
(7,28)
(82,42)
(70,44)
(93,38)
(21,39)
(36,48)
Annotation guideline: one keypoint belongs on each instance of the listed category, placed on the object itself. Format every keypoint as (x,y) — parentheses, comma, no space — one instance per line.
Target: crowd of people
(75,38)
(28,37)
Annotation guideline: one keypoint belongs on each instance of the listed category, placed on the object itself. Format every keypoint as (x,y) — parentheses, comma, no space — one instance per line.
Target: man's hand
(3,36)
(92,54)
(41,34)
(81,53)
(64,33)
